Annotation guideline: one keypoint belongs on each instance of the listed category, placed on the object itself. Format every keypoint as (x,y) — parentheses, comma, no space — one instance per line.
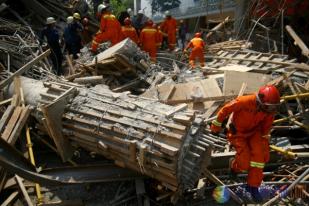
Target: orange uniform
(129,31)
(252,125)
(148,40)
(159,36)
(110,30)
(169,26)
(197,44)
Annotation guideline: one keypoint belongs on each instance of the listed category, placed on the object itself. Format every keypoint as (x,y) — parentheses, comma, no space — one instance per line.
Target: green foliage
(163,5)
(120,5)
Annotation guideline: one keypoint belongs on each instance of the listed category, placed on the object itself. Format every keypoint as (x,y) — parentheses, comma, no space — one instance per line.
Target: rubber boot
(254,191)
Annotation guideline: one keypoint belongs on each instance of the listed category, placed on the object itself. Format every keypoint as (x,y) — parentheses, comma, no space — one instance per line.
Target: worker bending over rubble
(169,27)
(197,44)
(110,29)
(129,31)
(149,39)
(249,133)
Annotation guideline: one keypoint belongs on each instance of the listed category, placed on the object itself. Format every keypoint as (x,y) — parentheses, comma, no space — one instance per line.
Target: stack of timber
(158,140)
(122,66)
(227,45)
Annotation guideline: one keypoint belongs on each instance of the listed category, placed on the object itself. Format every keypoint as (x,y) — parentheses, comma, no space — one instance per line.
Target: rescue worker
(75,35)
(67,34)
(110,29)
(197,44)
(129,31)
(182,33)
(53,40)
(148,40)
(169,26)
(249,133)
(139,21)
(159,35)
(86,34)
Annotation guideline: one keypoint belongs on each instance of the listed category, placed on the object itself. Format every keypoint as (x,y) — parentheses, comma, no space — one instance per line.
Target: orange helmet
(127,21)
(149,22)
(268,98)
(198,35)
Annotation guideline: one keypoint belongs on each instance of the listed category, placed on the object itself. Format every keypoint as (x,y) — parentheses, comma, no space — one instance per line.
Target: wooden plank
(11,124)
(298,41)
(6,117)
(4,102)
(24,68)
(19,125)
(10,198)
(23,190)
(53,115)
(176,109)
(234,79)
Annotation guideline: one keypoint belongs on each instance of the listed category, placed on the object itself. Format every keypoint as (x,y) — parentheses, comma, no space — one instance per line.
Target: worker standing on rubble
(159,35)
(197,44)
(249,133)
(169,26)
(149,39)
(67,34)
(53,40)
(110,29)
(129,31)
(75,29)
(139,21)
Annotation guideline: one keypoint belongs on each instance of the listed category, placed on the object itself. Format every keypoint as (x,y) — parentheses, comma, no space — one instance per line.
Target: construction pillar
(240,10)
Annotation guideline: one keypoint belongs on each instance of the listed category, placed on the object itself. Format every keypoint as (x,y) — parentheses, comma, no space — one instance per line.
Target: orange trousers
(100,37)
(152,50)
(197,54)
(171,38)
(252,152)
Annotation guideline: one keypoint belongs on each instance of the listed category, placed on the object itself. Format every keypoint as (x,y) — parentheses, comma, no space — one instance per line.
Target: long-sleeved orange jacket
(246,118)
(130,32)
(148,40)
(169,26)
(110,30)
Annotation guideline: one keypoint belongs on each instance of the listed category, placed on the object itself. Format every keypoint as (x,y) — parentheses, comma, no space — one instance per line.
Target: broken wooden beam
(23,69)
(298,41)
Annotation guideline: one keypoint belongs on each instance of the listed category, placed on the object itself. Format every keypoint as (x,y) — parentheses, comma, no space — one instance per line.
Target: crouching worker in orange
(197,44)
(149,39)
(110,29)
(249,133)
(129,31)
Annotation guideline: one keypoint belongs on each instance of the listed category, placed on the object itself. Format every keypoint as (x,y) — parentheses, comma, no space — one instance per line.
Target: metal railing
(200,8)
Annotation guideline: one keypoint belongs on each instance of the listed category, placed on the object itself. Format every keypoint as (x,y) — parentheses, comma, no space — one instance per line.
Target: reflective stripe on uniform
(94,42)
(112,17)
(216,123)
(149,30)
(257,164)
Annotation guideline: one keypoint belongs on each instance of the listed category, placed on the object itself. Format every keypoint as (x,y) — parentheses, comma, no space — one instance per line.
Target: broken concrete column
(157,140)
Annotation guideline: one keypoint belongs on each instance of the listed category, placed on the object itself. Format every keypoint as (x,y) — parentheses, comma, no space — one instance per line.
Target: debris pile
(117,116)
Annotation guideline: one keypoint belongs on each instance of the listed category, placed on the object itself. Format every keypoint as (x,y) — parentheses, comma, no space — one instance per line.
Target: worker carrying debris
(129,31)
(149,39)
(169,26)
(249,133)
(197,44)
(53,40)
(110,29)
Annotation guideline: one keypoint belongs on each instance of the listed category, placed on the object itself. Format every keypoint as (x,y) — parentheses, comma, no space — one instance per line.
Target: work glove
(216,126)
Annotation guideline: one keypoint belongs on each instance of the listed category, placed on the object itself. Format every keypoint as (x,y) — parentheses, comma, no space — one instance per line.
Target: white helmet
(101,7)
(140,11)
(70,19)
(167,13)
(50,20)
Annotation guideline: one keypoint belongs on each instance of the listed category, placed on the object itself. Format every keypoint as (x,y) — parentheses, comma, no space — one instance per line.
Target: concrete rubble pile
(118,117)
